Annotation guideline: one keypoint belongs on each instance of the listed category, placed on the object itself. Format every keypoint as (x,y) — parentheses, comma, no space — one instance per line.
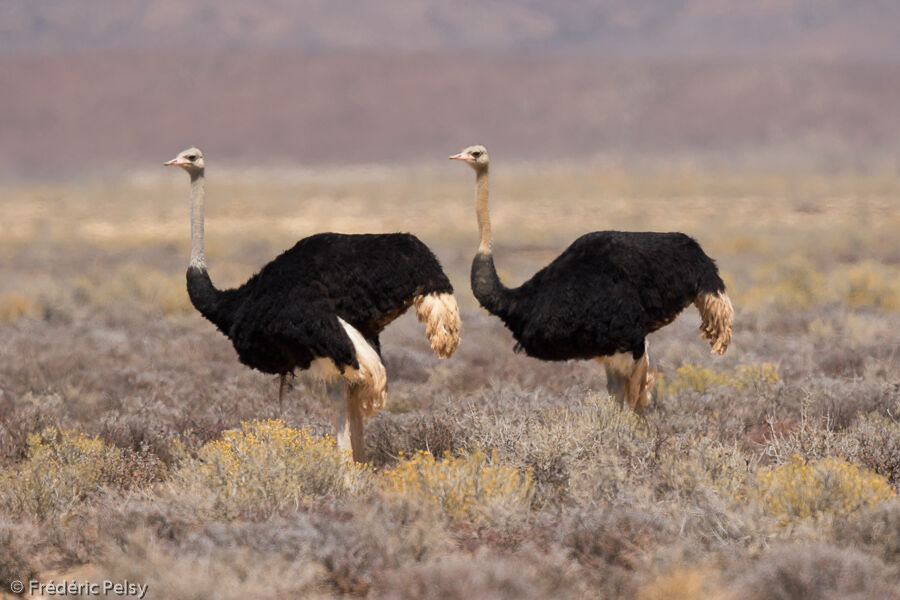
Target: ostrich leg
(629,380)
(615,383)
(348,418)
(281,385)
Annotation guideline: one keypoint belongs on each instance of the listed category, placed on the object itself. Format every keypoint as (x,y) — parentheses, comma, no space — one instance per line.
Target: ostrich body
(321,305)
(601,297)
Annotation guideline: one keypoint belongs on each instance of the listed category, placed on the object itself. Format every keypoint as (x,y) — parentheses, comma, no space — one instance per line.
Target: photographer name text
(88,588)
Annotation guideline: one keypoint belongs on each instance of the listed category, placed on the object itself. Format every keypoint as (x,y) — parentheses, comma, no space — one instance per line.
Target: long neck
(198,193)
(481,211)
(211,302)
(486,286)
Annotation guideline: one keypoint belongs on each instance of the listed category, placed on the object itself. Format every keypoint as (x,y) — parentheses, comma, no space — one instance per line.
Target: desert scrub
(698,466)
(785,284)
(869,284)
(265,465)
(874,442)
(797,284)
(471,487)
(62,469)
(683,583)
(700,379)
(133,283)
(828,486)
(14,305)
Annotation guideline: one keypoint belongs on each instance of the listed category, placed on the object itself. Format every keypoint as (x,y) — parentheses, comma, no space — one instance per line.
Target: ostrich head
(476,157)
(191,160)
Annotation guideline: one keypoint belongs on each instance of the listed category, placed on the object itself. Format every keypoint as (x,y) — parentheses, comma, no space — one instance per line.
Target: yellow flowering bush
(788,283)
(799,489)
(700,379)
(469,487)
(870,284)
(62,468)
(265,465)
(795,283)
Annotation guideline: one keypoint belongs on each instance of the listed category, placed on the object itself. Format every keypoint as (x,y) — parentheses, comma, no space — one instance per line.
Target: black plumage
(601,297)
(284,316)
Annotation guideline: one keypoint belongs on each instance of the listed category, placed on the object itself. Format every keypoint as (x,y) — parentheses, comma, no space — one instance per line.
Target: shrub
(480,577)
(615,535)
(21,417)
(224,571)
(62,468)
(17,551)
(700,379)
(266,465)
(142,432)
(874,531)
(390,436)
(829,486)
(133,283)
(684,583)
(870,284)
(586,451)
(796,283)
(821,572)
(785,284)
(14,305)
(875,443)
(471,487)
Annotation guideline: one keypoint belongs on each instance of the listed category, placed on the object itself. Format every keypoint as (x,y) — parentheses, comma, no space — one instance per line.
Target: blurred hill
(113,84)
(646,28)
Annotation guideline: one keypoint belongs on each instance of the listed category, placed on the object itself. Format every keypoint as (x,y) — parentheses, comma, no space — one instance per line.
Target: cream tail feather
(440,313)
(717,314)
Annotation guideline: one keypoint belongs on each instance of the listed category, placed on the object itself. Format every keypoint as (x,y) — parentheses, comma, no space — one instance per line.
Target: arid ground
(133,445)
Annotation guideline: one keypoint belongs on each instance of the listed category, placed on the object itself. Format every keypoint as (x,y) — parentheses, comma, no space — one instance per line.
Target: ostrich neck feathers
(481,210)
(487,288)
(198,193)
(486,285)
(211,302)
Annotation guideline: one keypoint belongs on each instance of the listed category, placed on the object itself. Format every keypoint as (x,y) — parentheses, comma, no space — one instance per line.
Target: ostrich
(601,297)
(321,306)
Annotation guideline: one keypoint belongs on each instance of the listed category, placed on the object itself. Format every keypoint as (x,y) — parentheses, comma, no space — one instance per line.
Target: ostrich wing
(310,332)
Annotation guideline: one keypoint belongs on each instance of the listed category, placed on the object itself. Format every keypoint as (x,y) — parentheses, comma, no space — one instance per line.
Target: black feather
(602,295)
(286,315)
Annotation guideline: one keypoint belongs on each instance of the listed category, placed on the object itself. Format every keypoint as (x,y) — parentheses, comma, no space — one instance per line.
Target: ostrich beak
(175,162)
(460,156)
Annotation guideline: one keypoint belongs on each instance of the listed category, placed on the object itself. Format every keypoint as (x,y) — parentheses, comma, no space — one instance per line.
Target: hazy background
(115,84)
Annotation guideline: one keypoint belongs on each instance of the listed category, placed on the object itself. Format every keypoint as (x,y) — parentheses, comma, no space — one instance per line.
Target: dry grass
(493,475)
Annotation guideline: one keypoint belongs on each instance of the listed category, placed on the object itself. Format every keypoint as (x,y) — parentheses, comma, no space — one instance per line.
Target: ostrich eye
(192,157)
(476,154)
